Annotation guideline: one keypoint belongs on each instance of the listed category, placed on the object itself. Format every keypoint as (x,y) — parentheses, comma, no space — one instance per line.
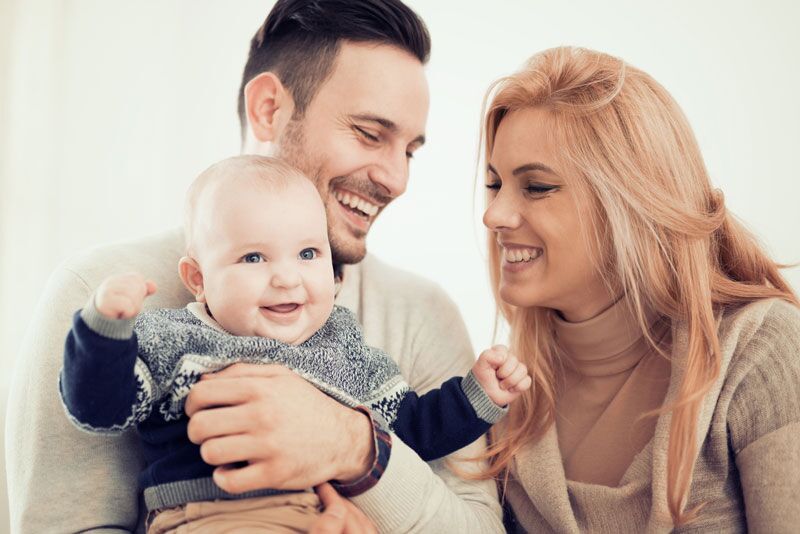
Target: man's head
(257,249)
(337,88)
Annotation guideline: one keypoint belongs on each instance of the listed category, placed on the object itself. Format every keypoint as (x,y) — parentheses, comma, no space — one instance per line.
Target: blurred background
(108,110)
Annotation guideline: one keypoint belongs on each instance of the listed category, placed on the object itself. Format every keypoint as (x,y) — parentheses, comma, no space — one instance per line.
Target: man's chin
(348,253)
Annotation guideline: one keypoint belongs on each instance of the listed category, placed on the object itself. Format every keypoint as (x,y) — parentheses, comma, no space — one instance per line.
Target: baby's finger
(508,367)
(492,358)
(516,376)
(524,385)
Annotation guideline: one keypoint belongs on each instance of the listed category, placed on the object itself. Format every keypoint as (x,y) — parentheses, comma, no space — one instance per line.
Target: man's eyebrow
(389,125)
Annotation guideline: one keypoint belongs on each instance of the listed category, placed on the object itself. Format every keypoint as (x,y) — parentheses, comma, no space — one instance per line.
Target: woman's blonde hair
(668,242)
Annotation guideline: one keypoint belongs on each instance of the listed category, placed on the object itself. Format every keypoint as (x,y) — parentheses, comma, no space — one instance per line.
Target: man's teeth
(356,202)
(516,255)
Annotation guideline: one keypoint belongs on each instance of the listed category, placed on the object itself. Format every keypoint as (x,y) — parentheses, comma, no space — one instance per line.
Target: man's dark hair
(300,39)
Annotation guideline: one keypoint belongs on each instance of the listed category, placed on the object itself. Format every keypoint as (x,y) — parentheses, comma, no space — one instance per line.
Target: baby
(258,262)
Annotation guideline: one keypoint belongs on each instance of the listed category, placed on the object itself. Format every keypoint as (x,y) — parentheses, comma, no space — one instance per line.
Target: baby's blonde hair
(258,171)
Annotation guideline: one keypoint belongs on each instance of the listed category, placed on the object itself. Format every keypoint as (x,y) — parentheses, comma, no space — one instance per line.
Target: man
(338,89)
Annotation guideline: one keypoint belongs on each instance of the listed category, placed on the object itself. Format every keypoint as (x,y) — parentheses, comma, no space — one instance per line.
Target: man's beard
(293,150)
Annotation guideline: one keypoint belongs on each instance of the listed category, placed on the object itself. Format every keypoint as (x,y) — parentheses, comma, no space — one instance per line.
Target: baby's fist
(121,296)
(502,376)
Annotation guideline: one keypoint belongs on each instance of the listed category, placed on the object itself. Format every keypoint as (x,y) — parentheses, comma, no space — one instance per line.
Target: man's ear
(189,271)
(268,105)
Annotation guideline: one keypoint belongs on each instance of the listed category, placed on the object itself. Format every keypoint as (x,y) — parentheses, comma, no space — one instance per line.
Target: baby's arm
(501,375)
(462,409)
(103,385)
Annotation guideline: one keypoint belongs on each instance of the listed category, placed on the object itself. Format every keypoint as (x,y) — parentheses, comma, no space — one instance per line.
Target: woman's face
(541,224)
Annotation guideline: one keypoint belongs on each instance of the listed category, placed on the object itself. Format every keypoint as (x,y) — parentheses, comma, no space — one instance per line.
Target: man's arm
(294,436)
(58,476)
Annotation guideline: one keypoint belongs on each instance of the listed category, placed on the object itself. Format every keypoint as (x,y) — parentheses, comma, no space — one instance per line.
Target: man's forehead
(378,81)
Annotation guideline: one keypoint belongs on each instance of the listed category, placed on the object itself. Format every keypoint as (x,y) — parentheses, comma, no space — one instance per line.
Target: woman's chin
(515,296)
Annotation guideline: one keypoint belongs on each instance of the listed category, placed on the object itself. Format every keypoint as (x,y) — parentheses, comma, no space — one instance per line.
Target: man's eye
(308,254)
(367,135)
(253,257)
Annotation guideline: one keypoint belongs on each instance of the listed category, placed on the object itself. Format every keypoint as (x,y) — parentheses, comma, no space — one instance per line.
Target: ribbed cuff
(484,406)
(383,449)
(104,326)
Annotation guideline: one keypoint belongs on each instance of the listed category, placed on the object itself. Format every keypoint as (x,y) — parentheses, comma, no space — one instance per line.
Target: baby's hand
(501,375)
(121,296)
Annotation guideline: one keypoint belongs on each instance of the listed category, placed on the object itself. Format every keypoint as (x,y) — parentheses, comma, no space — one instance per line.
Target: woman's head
(597,189)
(632,191)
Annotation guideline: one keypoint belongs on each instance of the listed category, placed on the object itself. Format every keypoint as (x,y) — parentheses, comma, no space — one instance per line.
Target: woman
(663,342)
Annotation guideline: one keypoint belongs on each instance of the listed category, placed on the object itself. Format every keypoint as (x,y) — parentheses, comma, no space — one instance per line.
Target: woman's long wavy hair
(668,242)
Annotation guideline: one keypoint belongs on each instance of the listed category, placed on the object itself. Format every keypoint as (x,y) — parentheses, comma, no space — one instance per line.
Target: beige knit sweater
(747,472)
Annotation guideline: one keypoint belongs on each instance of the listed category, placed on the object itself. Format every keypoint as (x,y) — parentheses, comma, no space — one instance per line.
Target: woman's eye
(253,257)
(308,254)
(494,186)
(535,189)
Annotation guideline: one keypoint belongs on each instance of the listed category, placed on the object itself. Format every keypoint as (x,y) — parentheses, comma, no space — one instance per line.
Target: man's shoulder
(155,251)
(395,283)
(155,257)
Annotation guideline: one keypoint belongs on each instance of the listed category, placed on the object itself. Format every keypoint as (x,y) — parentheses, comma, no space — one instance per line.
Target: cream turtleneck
(612,376)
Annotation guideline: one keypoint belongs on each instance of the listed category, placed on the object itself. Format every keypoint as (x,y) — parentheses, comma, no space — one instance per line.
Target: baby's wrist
(483,404)
(106,326)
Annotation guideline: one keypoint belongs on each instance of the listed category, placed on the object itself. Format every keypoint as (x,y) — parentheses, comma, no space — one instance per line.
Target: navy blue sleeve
(98,384)
(439,422)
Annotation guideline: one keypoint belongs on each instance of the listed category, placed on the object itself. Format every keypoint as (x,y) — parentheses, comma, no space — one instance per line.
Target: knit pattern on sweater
(176,349)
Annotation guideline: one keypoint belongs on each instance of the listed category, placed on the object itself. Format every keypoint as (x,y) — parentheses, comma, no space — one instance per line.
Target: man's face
(356,138)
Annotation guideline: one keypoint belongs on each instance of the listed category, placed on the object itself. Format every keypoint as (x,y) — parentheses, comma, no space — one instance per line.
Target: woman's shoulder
(773,323)
(762,381)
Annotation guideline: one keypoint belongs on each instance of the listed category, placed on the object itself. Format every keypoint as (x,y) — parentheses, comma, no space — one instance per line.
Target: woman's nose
(501,214)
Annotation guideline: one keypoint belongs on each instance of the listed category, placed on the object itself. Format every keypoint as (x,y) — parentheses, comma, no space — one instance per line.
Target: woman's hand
(339,516)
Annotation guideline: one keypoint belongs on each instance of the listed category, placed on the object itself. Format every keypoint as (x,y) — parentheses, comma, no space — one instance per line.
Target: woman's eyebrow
(533,167)
(522,169)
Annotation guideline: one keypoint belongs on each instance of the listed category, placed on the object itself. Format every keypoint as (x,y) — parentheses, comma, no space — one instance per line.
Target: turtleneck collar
(609,343)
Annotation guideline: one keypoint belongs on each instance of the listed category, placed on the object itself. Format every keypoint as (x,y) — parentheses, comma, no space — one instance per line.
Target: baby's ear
(189,271)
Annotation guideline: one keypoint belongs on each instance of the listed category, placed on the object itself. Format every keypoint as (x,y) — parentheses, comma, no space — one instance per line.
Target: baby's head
(257,251)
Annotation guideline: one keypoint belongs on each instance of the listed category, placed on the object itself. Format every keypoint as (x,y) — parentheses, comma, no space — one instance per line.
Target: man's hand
(291,435)
(121,296)
(339,516)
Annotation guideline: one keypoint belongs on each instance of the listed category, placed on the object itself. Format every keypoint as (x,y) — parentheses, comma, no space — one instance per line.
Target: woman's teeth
(355,202)
(517,255)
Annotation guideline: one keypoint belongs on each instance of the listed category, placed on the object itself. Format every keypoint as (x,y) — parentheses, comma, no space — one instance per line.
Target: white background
(108,109)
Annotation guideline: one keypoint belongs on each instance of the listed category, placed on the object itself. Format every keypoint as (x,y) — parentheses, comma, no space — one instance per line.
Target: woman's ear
(189,271)
(268,106)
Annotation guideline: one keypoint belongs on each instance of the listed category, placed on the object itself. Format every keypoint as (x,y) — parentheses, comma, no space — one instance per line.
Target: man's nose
(502,213)
(391,173)
(285,277)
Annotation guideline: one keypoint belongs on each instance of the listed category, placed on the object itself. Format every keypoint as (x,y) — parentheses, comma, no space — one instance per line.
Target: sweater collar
(609,343)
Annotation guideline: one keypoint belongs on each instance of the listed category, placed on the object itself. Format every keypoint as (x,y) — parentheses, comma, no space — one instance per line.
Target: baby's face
(266,261)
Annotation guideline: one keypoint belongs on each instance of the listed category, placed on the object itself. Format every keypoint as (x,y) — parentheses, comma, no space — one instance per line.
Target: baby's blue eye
(253,257)
(308,254)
